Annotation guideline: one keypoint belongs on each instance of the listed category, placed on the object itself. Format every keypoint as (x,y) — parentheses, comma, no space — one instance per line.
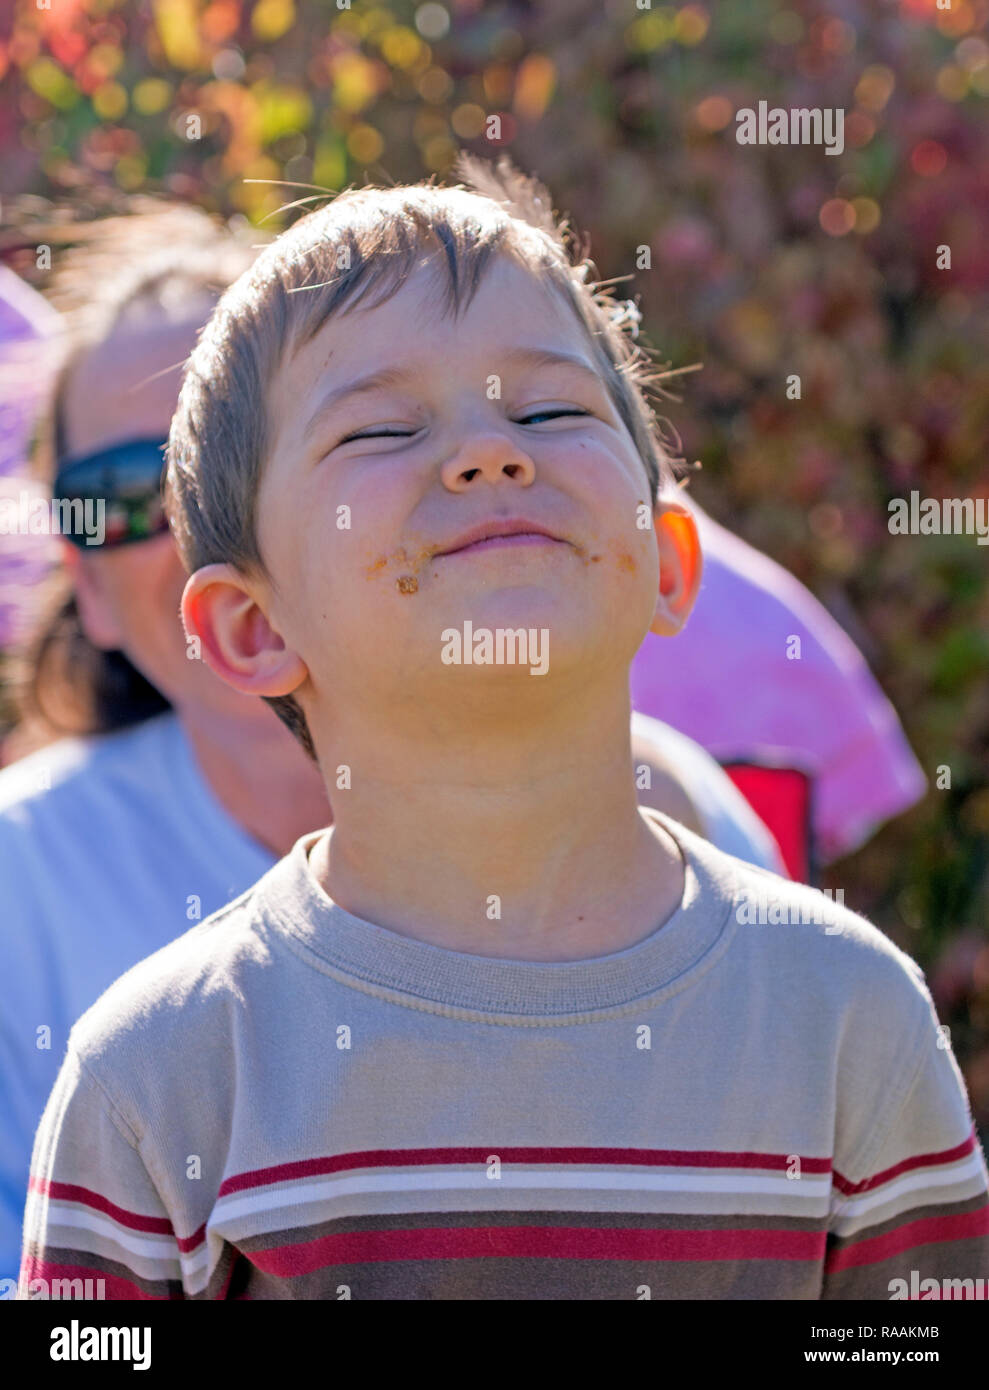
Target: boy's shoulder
(809,940)
(820,987)
(171,1001)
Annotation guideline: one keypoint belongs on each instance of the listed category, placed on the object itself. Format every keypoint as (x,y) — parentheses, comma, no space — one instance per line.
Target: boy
(176,792)
(498,1033)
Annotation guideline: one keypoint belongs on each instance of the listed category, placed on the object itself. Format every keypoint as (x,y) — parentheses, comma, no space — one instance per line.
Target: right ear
(239,644)
(96,611)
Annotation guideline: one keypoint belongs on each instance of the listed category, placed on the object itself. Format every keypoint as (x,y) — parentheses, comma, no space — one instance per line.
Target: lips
(494,534)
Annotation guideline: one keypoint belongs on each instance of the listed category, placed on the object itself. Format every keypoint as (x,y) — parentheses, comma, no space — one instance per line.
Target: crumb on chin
(401,560)
(582,555)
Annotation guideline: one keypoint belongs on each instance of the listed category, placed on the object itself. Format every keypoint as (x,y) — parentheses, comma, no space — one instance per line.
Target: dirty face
(425,472)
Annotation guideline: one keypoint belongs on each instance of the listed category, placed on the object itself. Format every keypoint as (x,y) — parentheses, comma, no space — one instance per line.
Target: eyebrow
(397,376)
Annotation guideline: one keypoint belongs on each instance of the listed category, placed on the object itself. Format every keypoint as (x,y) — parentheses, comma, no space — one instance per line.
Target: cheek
(364,513)
(148,580)
(610,477)
(614,491)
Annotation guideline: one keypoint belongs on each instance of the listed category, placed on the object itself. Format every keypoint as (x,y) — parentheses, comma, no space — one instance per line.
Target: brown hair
(371,239)
(158,255)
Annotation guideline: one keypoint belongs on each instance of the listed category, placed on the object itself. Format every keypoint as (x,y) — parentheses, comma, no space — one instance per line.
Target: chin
(521,606)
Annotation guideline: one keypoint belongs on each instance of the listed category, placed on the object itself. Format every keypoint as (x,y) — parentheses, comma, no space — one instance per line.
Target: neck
(260,775)
(531,847)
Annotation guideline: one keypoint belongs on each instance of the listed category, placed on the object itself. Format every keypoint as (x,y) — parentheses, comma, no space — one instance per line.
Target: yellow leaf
(109,101)
(270,19)
(353,82)
(177,22)
(534,86)
(329,163)
(49,81)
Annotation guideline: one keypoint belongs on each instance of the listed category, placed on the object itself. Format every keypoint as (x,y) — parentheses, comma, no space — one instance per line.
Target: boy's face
(368,503)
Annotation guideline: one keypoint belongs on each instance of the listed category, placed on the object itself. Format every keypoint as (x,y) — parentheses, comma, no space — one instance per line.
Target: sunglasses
(127,479)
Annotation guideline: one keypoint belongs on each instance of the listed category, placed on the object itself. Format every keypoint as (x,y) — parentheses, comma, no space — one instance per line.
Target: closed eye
(550,415)
(380,434)
(531,419)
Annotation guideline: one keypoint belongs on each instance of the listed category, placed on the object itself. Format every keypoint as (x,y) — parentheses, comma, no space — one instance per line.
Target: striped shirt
(756,1101)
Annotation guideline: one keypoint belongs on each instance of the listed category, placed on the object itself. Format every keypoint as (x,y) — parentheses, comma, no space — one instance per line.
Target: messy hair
(361,247)
(157,257)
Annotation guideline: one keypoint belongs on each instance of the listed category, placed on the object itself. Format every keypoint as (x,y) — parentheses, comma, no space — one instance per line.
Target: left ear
(680,566)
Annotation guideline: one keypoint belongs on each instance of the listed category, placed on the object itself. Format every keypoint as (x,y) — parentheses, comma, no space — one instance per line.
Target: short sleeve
(93,1212)
(918,1207)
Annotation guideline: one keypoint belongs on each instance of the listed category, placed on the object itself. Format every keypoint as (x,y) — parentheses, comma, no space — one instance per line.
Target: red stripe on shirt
(398,1158)
(187,1243)
(84,1196)
(930,1230)
(918,1161)
(70,1192)
(540,1242)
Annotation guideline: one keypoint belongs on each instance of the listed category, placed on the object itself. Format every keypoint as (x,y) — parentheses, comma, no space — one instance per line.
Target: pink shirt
(728,682)
(27,322)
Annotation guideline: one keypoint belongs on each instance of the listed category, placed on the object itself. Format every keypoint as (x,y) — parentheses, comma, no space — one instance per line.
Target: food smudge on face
(625,562)
(405,583)
(581,553)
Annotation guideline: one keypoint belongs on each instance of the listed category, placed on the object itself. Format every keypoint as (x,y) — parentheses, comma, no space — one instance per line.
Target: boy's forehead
(510,305)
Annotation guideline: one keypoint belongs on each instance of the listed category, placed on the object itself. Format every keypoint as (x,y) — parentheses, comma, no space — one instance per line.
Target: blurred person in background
(171,794)
(775,689)
(27,324)
(176,793)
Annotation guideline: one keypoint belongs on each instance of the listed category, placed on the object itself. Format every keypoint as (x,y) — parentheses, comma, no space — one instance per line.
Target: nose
(487,457)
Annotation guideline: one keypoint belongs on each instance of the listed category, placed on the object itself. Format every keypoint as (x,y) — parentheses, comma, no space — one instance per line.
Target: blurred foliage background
(765,261)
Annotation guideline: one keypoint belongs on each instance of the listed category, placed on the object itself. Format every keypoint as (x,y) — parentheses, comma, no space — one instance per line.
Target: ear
(680,566)
(238,642)
(93,599)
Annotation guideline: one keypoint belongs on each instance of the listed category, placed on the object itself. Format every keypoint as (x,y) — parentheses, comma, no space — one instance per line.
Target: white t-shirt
(112,846)
(727,820)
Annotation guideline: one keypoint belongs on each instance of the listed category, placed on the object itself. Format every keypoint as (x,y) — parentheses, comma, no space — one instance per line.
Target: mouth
(499,535)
